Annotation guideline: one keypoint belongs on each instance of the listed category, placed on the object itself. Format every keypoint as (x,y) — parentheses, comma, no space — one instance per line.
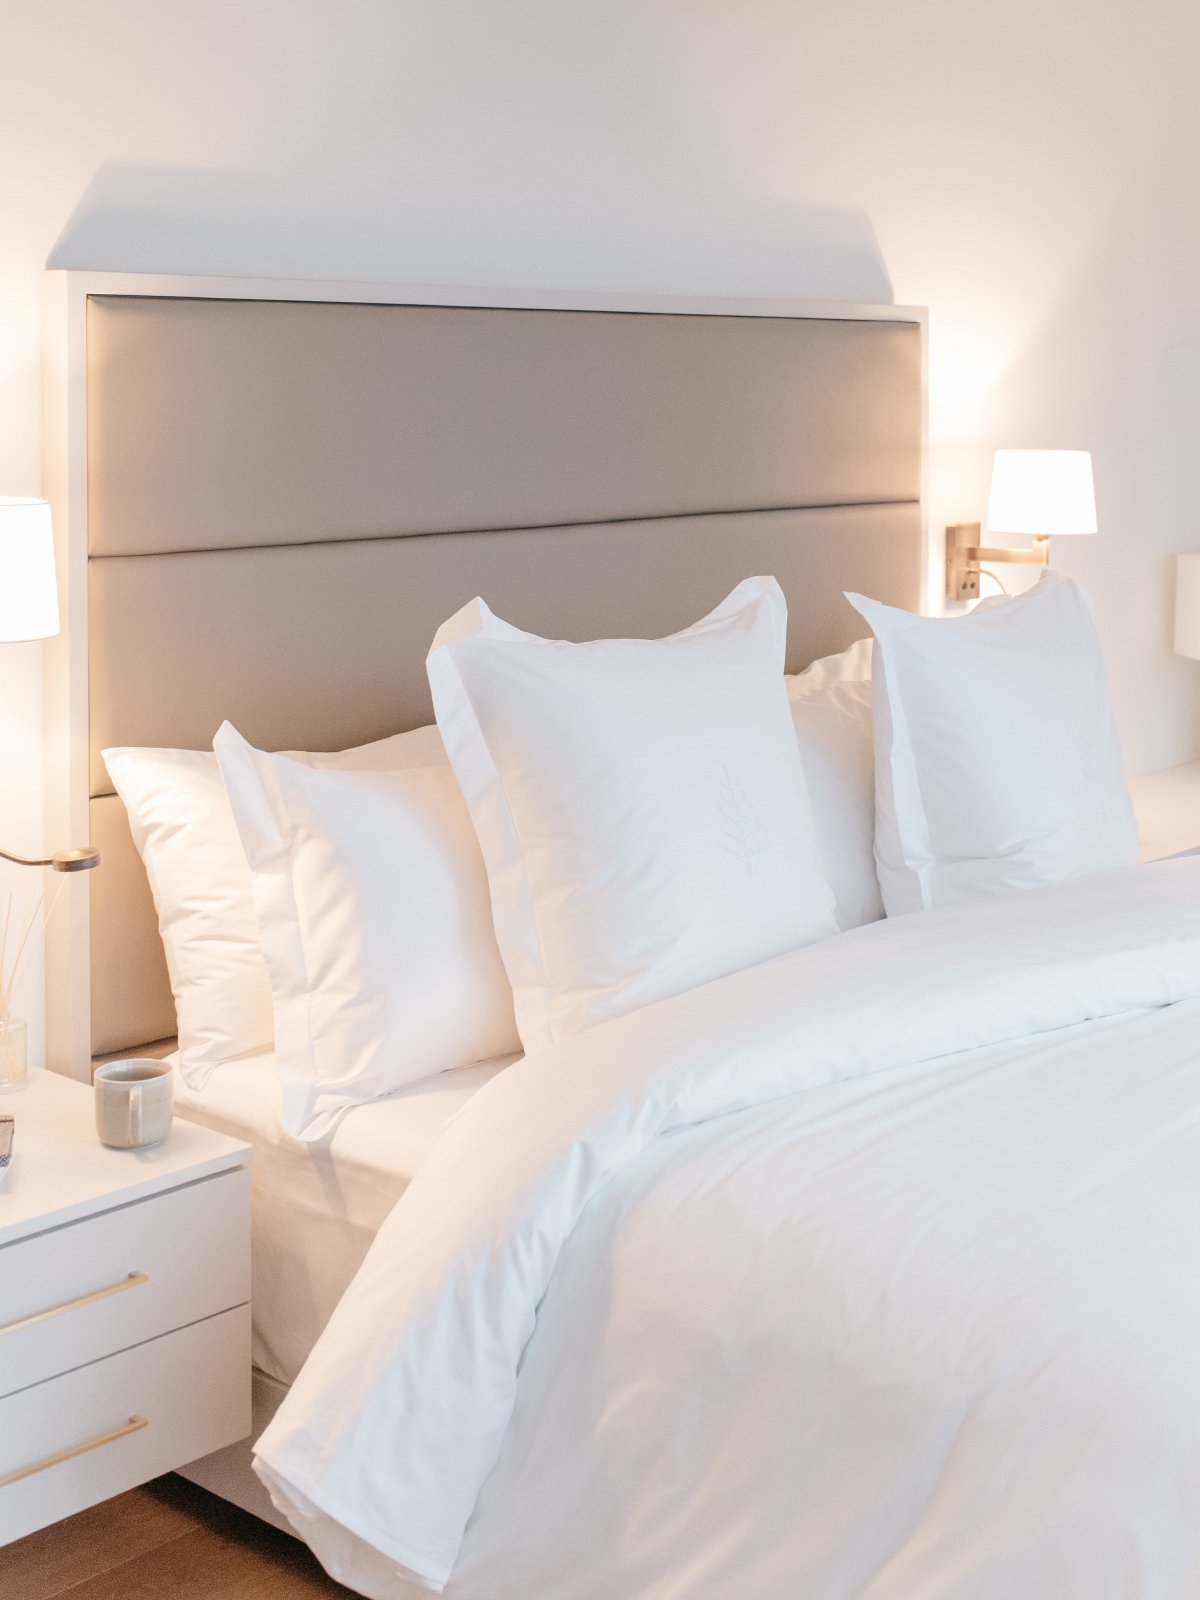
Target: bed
(403,450)
(862,1270)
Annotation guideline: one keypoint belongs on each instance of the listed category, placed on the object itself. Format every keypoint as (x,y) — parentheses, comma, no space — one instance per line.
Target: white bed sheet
(317,1207)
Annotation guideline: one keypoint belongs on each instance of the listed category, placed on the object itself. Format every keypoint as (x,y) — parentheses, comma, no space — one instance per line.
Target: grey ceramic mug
(133,1102)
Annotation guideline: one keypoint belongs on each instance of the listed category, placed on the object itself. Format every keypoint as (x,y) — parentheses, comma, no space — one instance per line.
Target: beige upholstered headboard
(281,497)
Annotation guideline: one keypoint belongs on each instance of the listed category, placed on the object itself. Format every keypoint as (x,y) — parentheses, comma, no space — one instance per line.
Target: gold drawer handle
(134,1425)
(131,1282)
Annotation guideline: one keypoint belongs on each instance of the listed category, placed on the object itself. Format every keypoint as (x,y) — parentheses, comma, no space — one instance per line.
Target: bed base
(228,1473)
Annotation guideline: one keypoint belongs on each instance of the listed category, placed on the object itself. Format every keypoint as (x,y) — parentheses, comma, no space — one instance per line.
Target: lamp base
(965,556)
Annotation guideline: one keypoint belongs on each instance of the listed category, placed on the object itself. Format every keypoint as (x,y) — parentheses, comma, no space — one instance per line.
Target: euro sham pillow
(996,756)
(184,830)
(640,805)
(851,665)
(376,930)
(832,719)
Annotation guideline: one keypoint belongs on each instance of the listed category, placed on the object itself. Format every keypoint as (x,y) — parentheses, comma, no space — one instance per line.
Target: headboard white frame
(65,434)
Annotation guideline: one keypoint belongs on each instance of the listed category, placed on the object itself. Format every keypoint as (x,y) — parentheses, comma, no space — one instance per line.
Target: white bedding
(317,1207)
(873,1271)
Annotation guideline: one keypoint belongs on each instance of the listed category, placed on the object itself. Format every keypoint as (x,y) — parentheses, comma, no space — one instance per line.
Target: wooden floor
(166,1539)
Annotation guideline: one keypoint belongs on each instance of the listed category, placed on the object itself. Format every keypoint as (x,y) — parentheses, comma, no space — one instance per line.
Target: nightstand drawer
(78,1439)
(83,1291)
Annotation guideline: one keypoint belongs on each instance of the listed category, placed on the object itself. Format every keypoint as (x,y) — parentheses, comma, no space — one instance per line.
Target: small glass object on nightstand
(14,1054)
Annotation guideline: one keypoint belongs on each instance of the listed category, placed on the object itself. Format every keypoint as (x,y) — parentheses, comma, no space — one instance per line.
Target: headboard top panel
(215,424)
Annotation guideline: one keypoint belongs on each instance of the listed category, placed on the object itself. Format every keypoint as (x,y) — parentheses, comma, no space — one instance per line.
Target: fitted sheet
(317,1207)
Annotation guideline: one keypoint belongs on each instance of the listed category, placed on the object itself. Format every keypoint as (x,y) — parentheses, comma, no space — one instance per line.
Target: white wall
(1027,169)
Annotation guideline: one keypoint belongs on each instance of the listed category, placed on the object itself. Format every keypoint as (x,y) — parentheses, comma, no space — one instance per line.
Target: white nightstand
(1168,810)
(124,1306)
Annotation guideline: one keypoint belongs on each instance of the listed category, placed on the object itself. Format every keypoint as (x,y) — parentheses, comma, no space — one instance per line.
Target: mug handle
(135,1113)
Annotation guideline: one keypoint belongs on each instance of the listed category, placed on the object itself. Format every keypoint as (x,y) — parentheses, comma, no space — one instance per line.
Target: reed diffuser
(14,1034)
(16,948)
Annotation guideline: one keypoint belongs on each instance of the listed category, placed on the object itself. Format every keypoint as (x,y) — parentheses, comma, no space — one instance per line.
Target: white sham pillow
(185,833)
(373,909)
(851,665)
(997,760)
(640,804)
(835,737)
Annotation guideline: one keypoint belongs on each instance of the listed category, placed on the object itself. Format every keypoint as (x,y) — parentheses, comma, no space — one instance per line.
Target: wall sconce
(1187,606)
(29,610)
(1042,493)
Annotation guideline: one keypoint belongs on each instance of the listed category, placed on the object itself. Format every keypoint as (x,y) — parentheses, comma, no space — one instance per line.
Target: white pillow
(640,805)
(373,907)
(997,761)
(834,733)
(185,833)
(851,665)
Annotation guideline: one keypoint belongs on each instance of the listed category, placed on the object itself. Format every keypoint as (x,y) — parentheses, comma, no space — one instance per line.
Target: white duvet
(871,1272)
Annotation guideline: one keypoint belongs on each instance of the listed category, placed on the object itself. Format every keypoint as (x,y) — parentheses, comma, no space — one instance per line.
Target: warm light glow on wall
(1187,606)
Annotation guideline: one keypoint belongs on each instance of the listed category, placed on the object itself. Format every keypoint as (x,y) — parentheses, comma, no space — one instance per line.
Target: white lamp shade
(1187,606)
(1042,492)
(28,592)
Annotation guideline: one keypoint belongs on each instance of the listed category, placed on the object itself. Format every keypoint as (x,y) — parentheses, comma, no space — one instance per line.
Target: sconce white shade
(1047,492)
(28,591)
(1187,606)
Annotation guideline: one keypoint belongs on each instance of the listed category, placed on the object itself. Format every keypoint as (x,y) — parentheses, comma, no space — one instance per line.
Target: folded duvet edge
(326,1529)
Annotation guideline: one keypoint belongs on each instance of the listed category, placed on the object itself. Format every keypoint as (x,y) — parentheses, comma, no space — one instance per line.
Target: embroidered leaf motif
(745,838)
